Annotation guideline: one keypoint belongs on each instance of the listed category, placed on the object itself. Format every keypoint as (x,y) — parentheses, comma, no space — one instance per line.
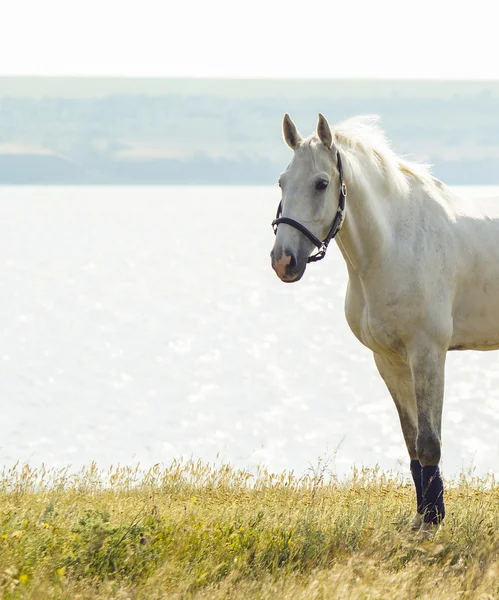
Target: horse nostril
(292,261)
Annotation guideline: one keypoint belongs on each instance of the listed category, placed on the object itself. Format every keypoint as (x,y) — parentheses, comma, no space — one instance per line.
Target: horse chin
(294,277)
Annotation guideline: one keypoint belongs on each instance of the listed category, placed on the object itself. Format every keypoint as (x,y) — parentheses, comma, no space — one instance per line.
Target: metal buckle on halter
(344,189)
(319,255)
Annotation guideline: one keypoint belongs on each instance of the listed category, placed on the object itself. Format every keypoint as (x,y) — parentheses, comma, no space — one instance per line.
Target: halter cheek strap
(335,227)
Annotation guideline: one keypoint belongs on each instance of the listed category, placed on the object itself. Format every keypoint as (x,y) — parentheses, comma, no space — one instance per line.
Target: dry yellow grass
(196,531)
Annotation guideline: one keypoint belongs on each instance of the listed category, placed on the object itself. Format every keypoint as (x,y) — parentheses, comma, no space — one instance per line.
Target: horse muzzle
(287,267)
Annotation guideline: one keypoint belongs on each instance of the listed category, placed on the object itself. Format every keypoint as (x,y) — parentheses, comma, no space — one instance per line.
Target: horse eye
(321,184)
(279,183)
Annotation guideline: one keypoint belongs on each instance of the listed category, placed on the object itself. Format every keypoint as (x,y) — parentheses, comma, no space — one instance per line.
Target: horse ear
(292,136)
(324,131)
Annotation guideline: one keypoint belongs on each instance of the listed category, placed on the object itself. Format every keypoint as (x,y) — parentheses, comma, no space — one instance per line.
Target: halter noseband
(335,227)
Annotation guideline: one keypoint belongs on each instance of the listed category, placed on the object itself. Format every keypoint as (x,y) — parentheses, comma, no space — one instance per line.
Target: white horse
(423,270)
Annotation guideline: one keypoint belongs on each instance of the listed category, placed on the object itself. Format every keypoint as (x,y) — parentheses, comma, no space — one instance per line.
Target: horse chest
(368,325)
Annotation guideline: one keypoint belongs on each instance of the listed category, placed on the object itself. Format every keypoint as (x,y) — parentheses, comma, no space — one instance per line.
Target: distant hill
(202,131)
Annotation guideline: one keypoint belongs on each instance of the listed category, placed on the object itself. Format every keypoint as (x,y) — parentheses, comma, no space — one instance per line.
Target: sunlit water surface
(143,324)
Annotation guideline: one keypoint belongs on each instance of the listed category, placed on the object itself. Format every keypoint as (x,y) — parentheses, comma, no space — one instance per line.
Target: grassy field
(203,531)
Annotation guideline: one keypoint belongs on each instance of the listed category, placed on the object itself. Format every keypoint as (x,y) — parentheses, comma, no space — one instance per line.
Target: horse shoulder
(402,297)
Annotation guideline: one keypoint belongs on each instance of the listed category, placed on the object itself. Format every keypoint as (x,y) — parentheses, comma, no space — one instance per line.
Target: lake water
(143,324)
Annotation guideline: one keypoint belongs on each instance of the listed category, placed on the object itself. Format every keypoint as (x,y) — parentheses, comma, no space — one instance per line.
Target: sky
(258,38)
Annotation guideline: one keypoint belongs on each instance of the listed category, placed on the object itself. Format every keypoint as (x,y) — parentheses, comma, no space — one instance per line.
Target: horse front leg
(397,376)
(427,365)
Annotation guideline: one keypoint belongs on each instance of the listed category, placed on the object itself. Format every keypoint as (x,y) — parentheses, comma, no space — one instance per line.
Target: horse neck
(370,218)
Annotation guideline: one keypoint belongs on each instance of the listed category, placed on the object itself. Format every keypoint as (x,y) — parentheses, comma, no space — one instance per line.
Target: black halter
(335,227)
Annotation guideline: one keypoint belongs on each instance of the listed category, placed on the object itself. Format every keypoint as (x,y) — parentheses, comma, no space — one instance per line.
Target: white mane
(363,134)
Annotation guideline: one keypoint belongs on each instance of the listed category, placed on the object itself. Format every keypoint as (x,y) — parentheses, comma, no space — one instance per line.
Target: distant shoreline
(131,131)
